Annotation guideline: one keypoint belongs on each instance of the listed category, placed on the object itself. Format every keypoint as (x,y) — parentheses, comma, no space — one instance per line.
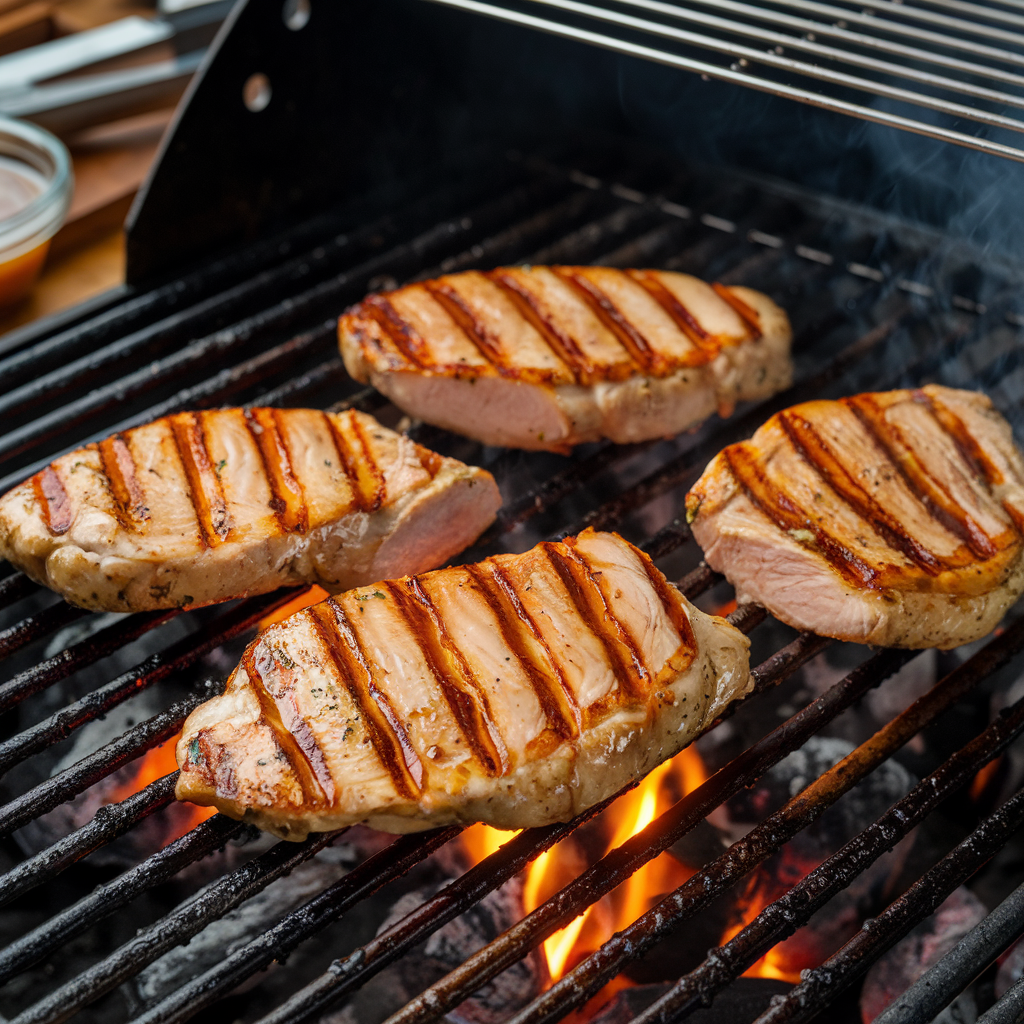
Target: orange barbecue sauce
(19,185)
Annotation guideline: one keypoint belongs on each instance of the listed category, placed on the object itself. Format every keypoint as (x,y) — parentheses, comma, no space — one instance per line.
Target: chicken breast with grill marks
(517,692)
(894,518)
(549,357)
(202,507)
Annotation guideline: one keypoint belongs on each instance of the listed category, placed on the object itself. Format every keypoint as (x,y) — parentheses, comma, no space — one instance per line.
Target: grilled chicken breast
(893,518)
(517,691)
(202,507)
(548,357)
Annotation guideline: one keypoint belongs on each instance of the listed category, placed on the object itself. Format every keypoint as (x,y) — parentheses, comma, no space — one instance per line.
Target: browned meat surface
(548,357)
(202,507)
(893,518)
(517,691)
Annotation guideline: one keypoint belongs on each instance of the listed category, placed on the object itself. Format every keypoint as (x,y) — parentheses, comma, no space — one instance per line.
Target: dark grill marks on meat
(287,499)
(398,332)
(53,500)
(119,468)
(682,317)
(372,485)
(337,645)
(789,516)
(559,341)
(377,325)
(466,698)
(671,605)
(745,313)
(522,638)
(456,307)
(291,732)
(592,605)
(816,450)
(204,487)
(951,461)
(933,492)
(611,316)
(355,673)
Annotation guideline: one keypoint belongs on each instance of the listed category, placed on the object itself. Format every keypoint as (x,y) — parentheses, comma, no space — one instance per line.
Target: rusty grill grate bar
(895,331)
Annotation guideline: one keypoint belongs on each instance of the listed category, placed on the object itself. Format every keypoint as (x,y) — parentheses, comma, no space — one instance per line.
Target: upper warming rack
(948,69)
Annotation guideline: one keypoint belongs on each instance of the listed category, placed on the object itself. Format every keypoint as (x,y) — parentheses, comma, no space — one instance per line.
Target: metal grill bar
(821,985)
(773,59)
(77,778)
(617,865)
(762,841)
(781,918)
(36,626)
(942,982)
(14,587)
(202,840)
(455,898)
(706,235)
(178,656)
(740,72)
(189,919)
(109,822)
(451,901)
(72,659)
(1009,1009)
(323,298)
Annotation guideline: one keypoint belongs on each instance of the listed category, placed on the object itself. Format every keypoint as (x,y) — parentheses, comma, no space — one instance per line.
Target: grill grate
(874,305)
(902,57)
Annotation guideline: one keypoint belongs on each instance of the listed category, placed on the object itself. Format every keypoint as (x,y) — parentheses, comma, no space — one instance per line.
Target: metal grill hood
(374,94)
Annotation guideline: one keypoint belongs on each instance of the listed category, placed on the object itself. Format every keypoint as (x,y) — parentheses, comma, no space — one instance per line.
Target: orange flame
(556,867)
(153,765)
(314,595)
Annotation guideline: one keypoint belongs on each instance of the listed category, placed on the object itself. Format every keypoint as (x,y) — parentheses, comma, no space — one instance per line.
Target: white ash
(1011,969)
(442,952)
(928,943)
(236,928)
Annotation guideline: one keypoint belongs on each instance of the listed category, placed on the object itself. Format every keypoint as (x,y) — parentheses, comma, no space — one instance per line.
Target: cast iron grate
(874,304)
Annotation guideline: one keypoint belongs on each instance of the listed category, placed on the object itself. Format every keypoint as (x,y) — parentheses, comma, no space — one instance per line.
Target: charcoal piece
(926,944)
(226,934)
(1011,969)
(445,950)
(743,1000)
(836,922)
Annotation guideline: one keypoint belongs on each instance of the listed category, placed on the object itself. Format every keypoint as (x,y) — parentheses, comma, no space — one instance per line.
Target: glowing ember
(564,862)
(785,961)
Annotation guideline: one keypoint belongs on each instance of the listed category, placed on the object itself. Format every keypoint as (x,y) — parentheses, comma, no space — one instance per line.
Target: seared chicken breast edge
(510,411)
(420,530)
(231,750)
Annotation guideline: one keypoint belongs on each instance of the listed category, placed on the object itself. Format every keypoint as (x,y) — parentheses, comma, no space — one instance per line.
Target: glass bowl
(35,192)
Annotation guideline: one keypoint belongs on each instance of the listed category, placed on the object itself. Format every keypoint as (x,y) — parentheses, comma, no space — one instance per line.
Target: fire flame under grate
(874,305)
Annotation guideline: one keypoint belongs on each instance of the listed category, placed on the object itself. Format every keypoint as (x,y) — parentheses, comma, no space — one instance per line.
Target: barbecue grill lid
(364,99)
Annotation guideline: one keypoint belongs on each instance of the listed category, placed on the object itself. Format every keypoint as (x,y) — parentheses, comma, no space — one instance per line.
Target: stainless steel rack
(947,69)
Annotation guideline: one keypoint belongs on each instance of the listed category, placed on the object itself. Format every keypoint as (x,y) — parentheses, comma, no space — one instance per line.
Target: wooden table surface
(110,162)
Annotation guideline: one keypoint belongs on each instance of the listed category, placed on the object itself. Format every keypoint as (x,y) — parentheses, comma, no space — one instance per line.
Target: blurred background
(104,76)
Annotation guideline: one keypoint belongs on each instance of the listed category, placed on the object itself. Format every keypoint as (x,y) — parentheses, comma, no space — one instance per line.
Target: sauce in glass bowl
(35,193)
